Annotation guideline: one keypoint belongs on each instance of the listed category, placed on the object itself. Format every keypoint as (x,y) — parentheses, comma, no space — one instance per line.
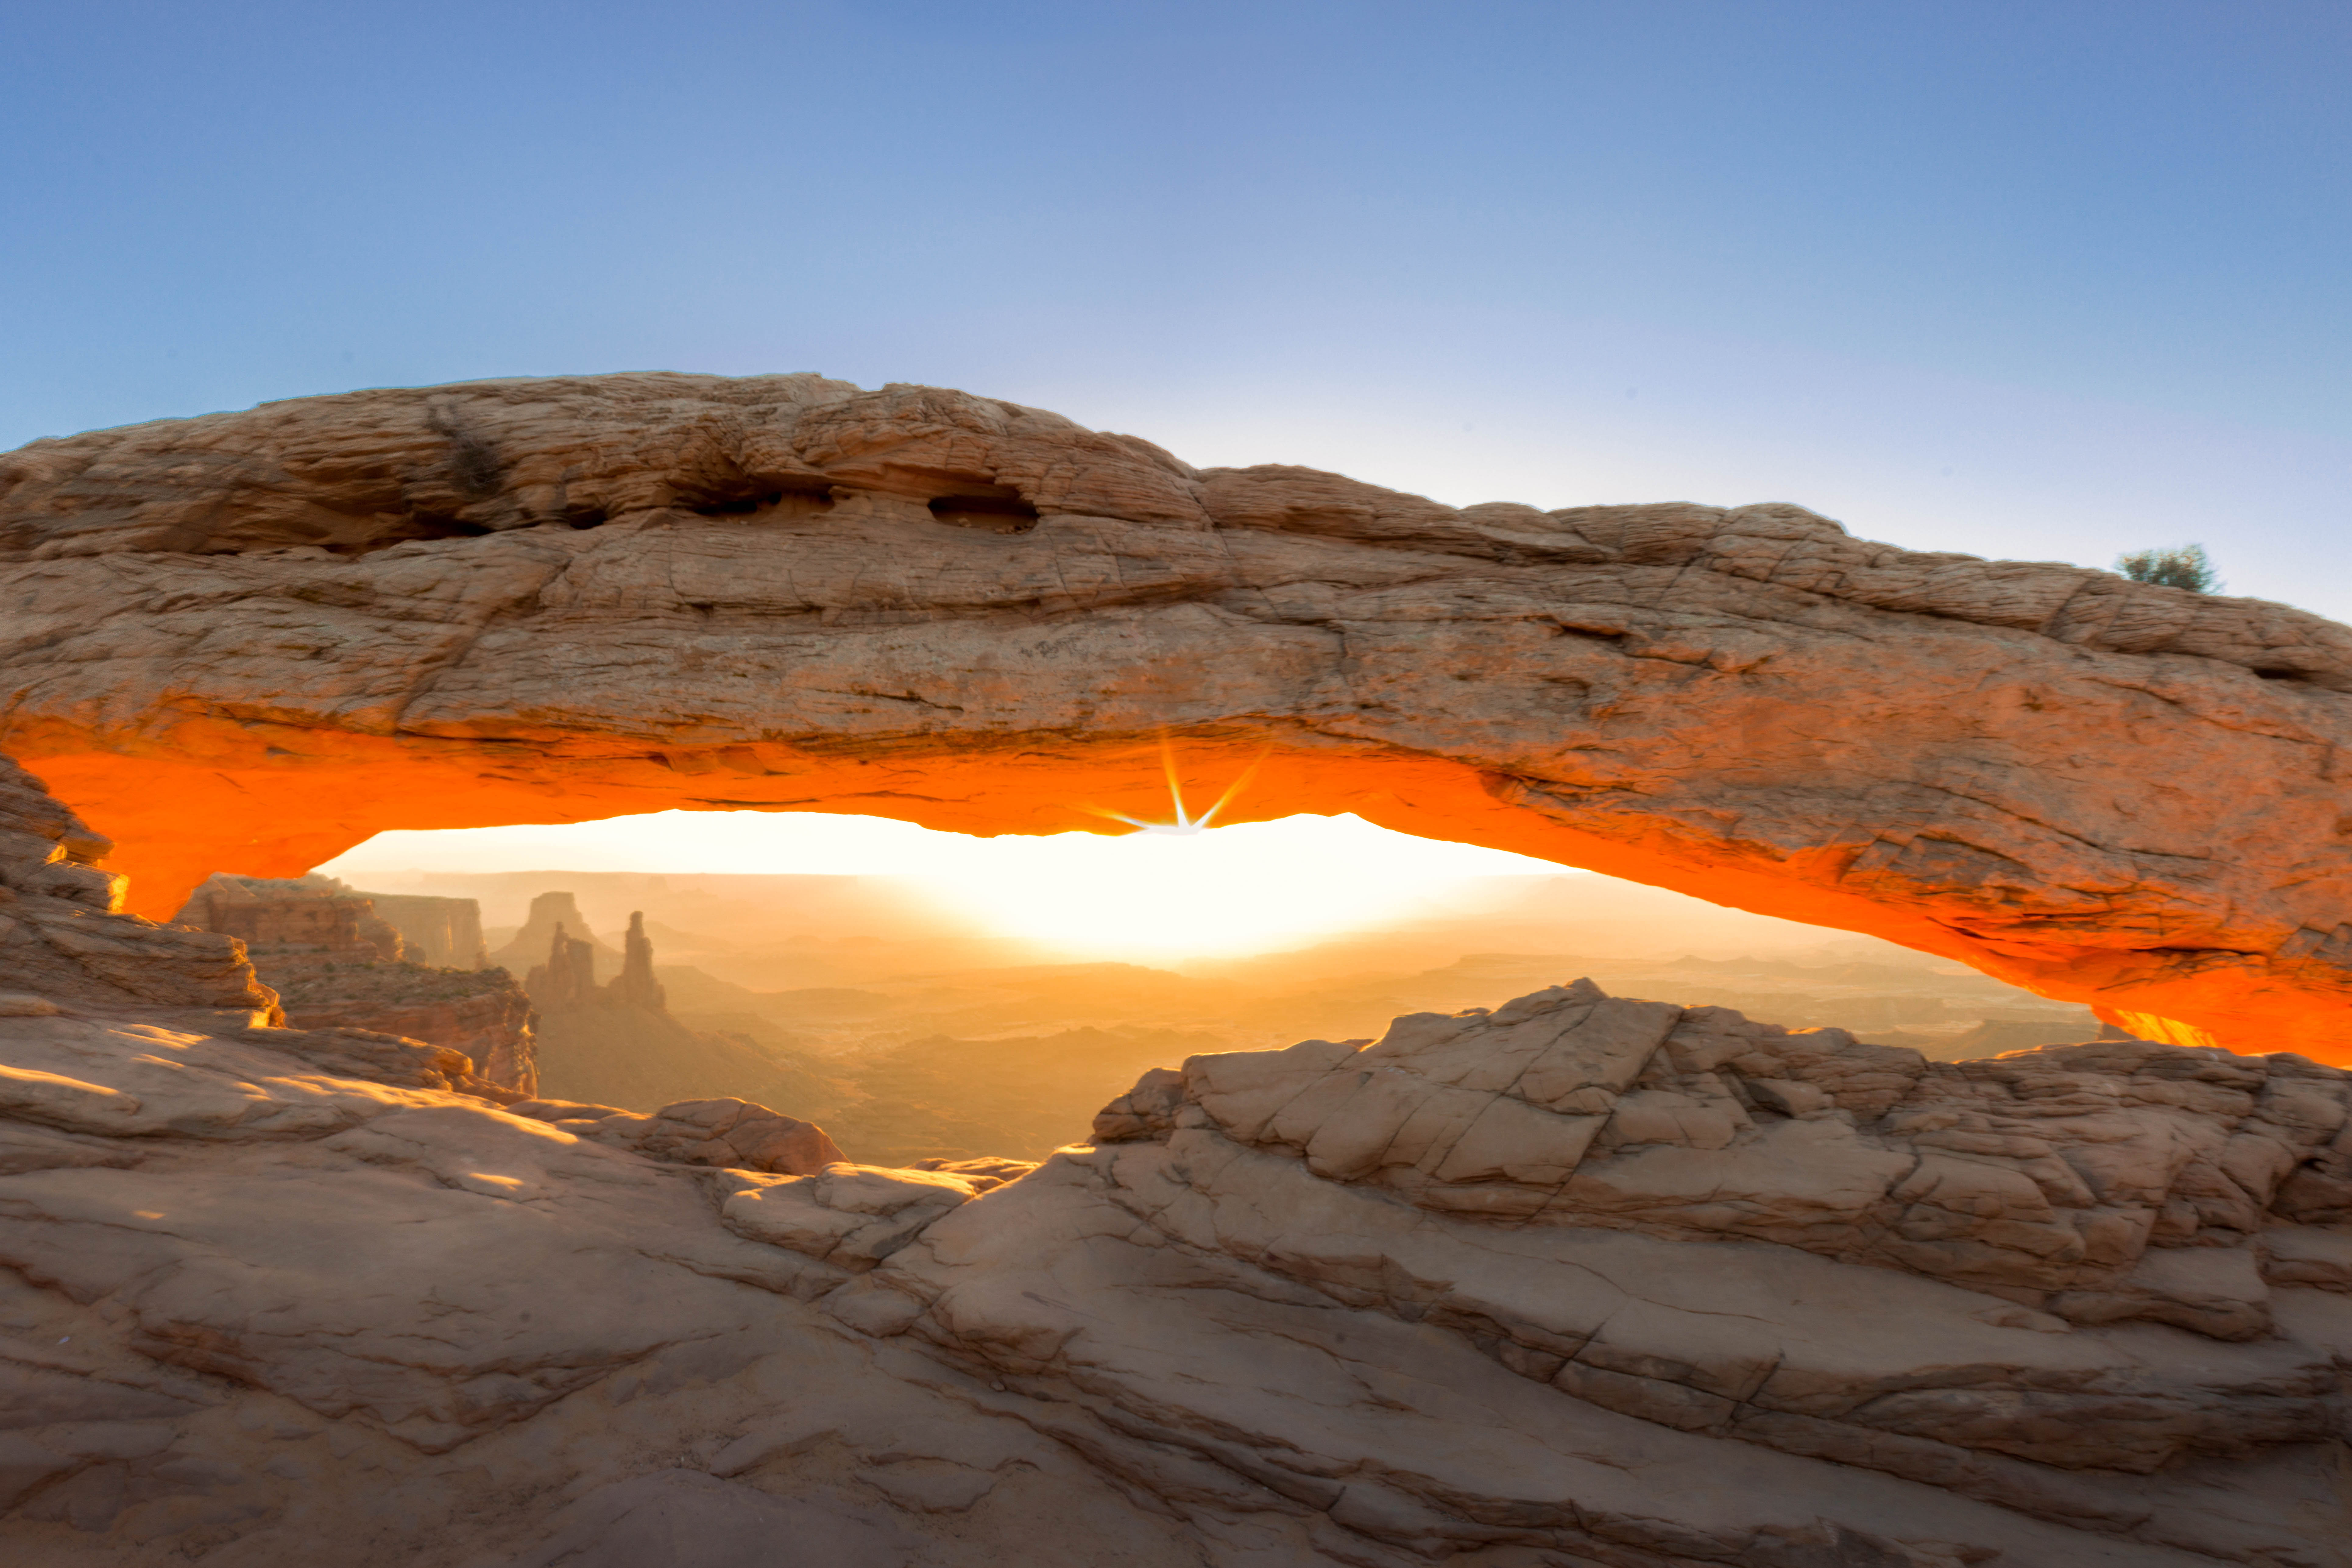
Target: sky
(2046,280)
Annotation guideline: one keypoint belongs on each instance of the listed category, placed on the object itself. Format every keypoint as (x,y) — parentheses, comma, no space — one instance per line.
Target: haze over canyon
(2003,1216)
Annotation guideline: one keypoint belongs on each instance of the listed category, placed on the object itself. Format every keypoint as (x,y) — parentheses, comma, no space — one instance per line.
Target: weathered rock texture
(728,1134)
(62,941)
(334,964)
(246,641)
(64,953)
(1583,1281)
(2101,1183)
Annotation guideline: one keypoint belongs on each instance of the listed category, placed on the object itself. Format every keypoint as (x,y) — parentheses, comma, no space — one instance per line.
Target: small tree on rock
(2186,567)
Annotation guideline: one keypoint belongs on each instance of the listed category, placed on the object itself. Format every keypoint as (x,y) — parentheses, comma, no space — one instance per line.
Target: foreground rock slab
(1578,1280)
(248,641)
(251,1312)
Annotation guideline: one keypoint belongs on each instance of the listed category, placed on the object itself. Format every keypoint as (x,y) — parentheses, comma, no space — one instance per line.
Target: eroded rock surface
(336,965)
(2103,1181)
(1580,1280)
(248,641)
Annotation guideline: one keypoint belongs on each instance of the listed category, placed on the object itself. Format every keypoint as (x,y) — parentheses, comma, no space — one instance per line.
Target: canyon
(334,961)
(1574,1278)
(246,641)
(1581,1280)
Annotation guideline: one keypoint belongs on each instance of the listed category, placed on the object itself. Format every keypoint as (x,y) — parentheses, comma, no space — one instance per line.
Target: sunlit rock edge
(248,641)
(1582,1280)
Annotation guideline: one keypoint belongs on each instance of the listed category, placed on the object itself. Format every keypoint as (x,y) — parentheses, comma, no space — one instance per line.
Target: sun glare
(1178,889)
(1163,891)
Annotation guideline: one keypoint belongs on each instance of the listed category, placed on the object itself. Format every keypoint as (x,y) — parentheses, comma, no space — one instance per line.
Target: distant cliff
(336,963)
(445,933)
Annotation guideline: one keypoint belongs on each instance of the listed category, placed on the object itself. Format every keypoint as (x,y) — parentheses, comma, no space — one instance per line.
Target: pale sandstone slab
(268,1295)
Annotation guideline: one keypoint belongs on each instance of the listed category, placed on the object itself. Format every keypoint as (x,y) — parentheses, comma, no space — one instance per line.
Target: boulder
(730,1132)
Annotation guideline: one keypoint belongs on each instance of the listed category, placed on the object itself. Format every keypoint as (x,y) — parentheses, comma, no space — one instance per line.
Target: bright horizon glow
(1146,894)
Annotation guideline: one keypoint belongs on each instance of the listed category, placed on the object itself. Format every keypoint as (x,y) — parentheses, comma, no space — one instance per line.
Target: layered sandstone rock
(2101,1183)
(1579,1281)
(336,965)
(245,642)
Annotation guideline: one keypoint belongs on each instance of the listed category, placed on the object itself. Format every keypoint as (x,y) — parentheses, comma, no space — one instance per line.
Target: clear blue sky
(2047,280)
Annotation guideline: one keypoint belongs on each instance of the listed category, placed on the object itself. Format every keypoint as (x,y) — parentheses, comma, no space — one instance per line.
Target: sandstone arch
(248,641)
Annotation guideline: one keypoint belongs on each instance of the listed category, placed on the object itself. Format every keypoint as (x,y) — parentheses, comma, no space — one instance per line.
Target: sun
(1184,888)
(1170,890)
(1165,892)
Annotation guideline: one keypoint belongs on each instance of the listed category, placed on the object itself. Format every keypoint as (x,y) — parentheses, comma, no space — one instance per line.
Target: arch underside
(638,593)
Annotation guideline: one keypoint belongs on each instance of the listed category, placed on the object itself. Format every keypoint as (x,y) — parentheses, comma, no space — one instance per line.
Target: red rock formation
(64,942)
(66,955)
(1578,1279)
(252,639)
(335,964)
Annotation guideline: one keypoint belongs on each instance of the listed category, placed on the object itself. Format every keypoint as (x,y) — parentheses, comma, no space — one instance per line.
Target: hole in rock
(1000,507)
(2279,674)
(766,498)
(370,535)
(924,994)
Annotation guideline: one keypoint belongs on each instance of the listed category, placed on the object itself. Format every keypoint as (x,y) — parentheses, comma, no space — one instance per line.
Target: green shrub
(2186,567)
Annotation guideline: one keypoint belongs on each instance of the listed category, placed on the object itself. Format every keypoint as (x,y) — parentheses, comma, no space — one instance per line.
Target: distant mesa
(528,948)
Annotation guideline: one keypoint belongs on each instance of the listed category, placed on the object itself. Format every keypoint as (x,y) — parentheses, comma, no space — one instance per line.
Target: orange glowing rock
(246,642)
